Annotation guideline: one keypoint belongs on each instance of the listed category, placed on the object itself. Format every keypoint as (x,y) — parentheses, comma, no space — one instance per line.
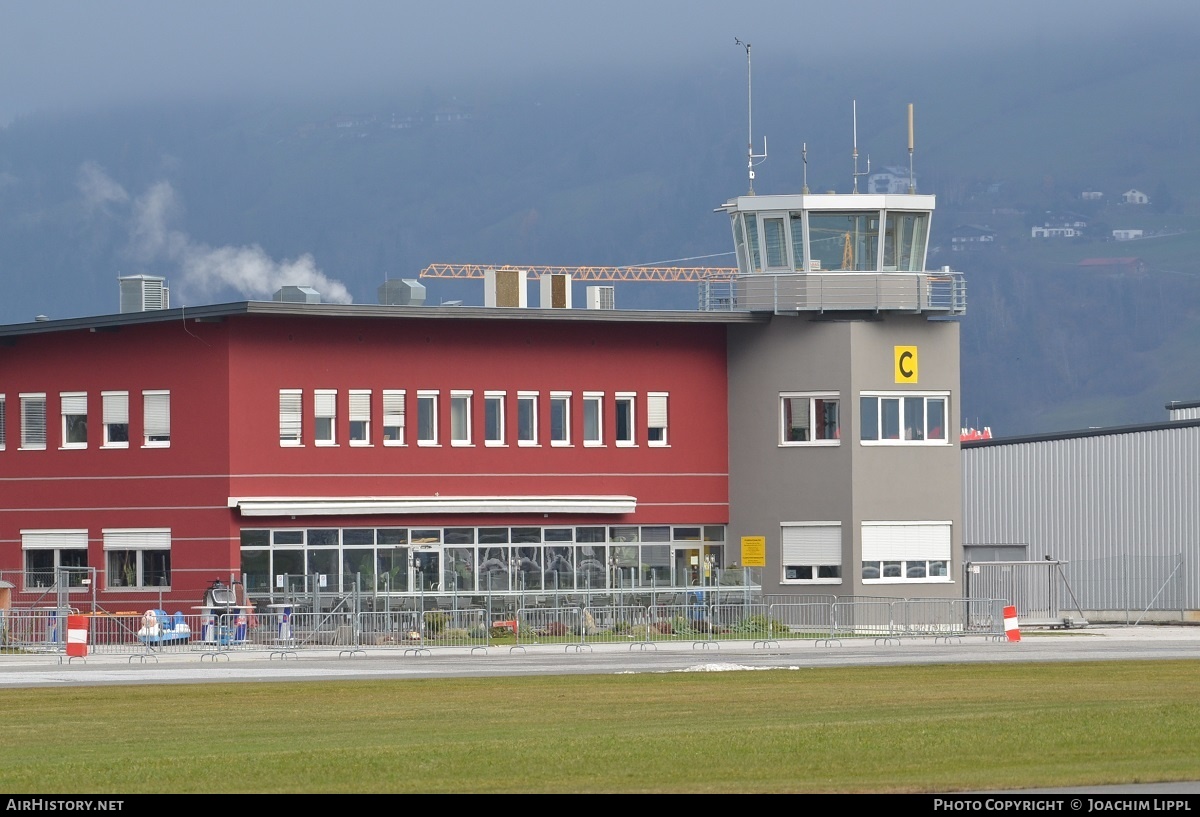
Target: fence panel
(550,625)
(864,619)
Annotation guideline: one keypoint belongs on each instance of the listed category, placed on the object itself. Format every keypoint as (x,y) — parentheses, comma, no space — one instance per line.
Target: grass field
(896,729)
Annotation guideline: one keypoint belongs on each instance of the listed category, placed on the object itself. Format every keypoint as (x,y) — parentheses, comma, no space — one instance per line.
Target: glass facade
(478,559)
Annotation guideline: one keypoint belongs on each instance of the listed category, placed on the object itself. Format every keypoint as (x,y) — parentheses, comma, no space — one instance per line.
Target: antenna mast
(854,109)
(750,154)
(912,185)
(804,156)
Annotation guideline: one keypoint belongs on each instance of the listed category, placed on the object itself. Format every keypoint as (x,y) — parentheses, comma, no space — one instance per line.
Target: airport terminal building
(801,424)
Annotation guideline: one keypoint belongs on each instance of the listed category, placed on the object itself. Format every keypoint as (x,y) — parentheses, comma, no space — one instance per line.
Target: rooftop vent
(601,298)
(556,290)
(505,287)
(297,295)
(141,293)
(402,292)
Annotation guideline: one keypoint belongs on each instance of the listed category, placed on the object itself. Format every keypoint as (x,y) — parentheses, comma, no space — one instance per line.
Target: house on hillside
(1091,195)
(1127,235)
(970,236)
(891,180)
(1065,225)
(1135,197)
(1060,231)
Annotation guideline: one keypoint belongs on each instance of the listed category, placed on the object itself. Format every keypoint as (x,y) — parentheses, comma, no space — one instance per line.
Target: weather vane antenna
(867,172)
(750,154)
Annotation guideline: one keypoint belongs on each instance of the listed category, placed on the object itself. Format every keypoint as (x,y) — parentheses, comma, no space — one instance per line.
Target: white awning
(357,505)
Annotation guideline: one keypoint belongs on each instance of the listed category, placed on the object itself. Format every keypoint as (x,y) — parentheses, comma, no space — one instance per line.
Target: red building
(153,446)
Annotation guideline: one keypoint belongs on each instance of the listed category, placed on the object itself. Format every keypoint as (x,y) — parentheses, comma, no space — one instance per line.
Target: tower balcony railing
(943,292)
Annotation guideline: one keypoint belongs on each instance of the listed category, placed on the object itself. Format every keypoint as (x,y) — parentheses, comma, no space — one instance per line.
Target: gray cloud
(56,54)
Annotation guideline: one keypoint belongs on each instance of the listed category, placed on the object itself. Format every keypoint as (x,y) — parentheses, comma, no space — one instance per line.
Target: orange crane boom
(588,273)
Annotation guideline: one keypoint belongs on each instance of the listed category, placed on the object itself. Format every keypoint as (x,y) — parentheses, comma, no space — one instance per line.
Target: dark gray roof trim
(1182,404)
(1087,432)
(220,311)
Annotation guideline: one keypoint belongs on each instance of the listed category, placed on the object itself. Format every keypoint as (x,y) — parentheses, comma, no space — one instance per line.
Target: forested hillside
(623,170)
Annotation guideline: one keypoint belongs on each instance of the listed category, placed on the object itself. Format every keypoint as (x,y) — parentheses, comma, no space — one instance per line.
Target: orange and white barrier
(1011,628)
(77,636)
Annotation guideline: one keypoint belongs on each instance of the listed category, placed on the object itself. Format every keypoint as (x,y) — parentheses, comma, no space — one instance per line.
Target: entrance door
(686,567)
(427,569)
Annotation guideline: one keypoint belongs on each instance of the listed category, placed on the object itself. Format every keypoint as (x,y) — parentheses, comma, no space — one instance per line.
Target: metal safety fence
(282,632)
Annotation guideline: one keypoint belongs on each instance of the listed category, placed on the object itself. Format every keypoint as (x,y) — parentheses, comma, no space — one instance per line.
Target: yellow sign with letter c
(906,364)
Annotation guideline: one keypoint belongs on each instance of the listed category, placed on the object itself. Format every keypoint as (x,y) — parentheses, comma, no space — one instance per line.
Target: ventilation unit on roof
(505,287)
(601,298)
(402,292)
(297,295)
(556,290)
(140,293)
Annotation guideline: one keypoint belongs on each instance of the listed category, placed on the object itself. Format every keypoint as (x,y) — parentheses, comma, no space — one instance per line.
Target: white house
(1135,197)
(1126,235)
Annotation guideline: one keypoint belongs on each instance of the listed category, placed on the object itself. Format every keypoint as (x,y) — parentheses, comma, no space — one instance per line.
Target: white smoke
(205,271)
(98,189)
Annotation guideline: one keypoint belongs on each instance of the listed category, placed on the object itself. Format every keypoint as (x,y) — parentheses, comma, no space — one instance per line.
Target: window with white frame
(393,417)
(114,406)
(74,419)
(810,552)
(460,418)
(906,552)
(809,418)
(290,422)
(3,423)
(903,418)
(560,418)
(427,423)
(656,418)
(137,558)
(527,418)
(156,419)
(33,421)
(625,415)
(493,418)
(52,556)
(593,418)
(360,417)
(325,416)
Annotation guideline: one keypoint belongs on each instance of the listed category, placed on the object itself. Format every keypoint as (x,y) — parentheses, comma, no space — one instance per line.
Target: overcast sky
(56,54)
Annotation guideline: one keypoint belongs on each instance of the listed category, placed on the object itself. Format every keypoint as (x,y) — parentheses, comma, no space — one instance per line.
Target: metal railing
(700,621)
(943,292)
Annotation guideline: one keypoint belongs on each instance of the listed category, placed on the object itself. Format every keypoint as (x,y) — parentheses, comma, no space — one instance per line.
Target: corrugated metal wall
(1122,508)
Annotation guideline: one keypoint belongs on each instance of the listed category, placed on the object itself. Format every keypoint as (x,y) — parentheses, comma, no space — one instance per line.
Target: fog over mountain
(237,147)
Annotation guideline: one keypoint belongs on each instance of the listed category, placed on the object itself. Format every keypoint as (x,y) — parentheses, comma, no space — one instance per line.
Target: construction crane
(660,274)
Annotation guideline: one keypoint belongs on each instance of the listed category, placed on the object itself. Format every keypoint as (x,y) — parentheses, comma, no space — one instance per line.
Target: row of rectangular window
(73,411)
(134,558)
(812,418)
(811,552)
(470,559)
(584,534)
(392,411)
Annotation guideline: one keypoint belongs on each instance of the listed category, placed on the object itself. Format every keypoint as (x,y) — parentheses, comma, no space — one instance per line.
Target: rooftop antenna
(804,156)
(750,154)
(854,108)
(912,185)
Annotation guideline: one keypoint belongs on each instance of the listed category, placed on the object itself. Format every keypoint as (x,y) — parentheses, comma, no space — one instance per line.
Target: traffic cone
(1011,628)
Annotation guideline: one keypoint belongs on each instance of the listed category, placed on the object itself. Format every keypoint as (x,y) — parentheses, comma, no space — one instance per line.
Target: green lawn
(896,729)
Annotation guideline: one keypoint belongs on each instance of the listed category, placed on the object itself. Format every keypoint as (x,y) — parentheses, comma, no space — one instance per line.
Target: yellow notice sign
(754,551)
(906,364)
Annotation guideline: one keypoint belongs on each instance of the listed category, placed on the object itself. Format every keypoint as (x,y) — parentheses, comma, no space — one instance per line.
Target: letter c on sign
(906,364)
